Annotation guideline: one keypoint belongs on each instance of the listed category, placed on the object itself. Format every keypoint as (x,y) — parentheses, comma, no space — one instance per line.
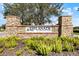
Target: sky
(69,9)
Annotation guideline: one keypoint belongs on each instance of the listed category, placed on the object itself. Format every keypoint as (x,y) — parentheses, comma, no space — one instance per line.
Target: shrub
(13,38)
(19,52)
(28,42)
(43,49)
(58,46)
(10,44)
(2,42)
(34,45)
(13,43)
(68,46)
(44,46)
(11,49)
(64,38)
(7,44)
(1,50)
(30,51)
(26,48)
(41,38)
(76,41)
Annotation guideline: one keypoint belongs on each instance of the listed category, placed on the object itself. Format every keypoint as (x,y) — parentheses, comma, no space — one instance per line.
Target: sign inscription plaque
(38,29)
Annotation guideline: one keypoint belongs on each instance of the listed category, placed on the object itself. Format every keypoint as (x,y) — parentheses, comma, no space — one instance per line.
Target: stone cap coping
(38,33)
(66,16)
(12,16)
(32,25)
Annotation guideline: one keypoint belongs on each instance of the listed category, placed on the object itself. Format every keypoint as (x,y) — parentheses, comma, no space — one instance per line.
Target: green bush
(28,42)
(14,43)
(13,38)
(41,38)
(19,52)
(68,46)
(26,48)
(76,41)
(43,49)
(11,49)
(71,40)
(10,44)
(39,45)
(58,46)
(7,45)
(30,51)
(1,50)
(44,46)
(11,41)
(2,42)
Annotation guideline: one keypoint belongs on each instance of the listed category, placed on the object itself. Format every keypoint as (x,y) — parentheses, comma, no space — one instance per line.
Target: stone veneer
(14,27)
(66,27)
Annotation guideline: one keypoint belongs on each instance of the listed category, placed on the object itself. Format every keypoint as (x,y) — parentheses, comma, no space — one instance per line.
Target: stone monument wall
(63,28)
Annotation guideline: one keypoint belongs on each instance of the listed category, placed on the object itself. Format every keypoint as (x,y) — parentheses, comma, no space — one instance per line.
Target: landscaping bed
(39,46)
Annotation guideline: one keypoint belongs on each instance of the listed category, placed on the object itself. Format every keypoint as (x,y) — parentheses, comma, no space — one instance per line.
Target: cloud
(1,16)
(2,20)
(67,11)
(54,20)
(75,21)
(76,8)
(1,8)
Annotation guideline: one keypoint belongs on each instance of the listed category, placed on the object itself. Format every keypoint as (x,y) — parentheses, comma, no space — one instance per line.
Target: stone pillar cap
(12,16)
(66,16)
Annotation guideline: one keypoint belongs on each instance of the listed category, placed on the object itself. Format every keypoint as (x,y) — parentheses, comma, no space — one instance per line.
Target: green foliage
(76,30)
(2,42)
(58,46)
(68,46)
(9,42)
(2,28)
(41,45)
(36,13)
(73,41)
(28,42)
(19,52)
(45,45)
(11,49)
(30,51)
(13,38)
(14,43)
(76,41)
(26,48)
(1,50)
(43,49)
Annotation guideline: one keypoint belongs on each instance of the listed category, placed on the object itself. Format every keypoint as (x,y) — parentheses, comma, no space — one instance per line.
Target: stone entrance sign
(63,28)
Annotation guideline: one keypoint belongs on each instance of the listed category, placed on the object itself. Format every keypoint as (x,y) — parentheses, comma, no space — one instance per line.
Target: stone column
(11,25)
(65,26)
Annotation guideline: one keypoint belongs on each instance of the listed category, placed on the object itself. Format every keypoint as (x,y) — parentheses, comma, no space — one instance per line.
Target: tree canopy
(33,13)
